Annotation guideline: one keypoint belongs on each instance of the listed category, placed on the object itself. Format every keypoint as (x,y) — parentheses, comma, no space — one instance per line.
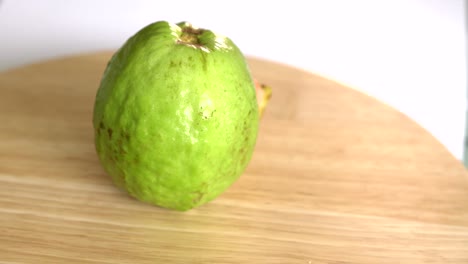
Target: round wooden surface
(337,177)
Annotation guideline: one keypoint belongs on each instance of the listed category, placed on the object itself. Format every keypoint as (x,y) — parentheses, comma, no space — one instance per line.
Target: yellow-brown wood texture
(337,177)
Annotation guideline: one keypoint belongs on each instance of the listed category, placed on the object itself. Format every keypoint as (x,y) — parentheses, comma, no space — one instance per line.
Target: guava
(176,116)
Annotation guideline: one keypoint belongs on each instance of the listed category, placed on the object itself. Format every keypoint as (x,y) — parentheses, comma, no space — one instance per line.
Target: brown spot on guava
(126,136)
(198,196)
(242,150)
(244,158)
(109,132)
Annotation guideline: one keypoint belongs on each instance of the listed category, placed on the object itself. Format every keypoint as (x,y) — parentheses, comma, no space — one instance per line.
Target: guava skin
(176,117)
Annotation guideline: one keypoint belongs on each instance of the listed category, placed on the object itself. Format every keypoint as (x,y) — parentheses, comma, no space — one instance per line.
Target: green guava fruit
(176,116)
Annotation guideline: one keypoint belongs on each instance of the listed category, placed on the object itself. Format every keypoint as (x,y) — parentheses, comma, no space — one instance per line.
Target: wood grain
(337,177)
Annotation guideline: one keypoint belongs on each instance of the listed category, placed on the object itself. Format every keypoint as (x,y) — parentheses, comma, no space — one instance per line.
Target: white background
(409,54)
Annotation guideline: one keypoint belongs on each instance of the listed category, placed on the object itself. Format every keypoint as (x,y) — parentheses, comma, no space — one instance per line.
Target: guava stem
(190,35)
(263,93)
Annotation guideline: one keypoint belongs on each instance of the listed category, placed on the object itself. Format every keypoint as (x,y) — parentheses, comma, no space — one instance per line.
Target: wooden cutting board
(337,177)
